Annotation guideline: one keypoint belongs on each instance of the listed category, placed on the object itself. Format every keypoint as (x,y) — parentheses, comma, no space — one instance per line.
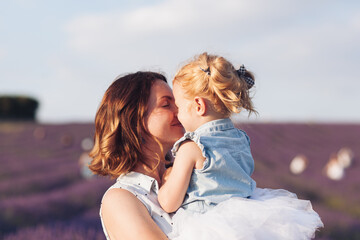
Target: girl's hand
(166,174)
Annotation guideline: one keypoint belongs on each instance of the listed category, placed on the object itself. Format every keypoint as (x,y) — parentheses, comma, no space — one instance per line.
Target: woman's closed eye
(165,104)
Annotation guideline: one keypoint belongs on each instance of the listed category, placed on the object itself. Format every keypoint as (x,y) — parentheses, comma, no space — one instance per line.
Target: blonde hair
(215,78)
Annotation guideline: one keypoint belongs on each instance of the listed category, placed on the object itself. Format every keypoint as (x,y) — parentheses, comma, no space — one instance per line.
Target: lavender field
(44,195)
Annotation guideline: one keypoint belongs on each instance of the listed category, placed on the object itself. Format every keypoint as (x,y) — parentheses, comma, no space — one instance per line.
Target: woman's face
(161,119)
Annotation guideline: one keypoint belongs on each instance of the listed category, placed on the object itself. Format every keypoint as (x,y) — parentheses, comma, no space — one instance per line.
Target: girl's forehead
(180,93)
(177,88)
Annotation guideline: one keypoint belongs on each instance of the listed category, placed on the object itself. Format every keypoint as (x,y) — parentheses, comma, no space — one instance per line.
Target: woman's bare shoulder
(114,195)
(126,217)
(118,200)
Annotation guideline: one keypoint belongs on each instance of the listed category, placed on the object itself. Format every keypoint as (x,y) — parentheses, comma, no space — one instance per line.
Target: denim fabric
(227,168)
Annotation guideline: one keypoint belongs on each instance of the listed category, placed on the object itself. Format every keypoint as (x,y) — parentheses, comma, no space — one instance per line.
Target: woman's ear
(200,106)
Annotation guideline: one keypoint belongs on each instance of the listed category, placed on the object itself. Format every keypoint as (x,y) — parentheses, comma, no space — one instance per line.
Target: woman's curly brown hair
(119,124)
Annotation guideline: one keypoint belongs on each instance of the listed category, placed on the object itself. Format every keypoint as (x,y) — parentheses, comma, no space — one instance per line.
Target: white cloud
(172,31)
(298,50)
(3,53)
(191,21)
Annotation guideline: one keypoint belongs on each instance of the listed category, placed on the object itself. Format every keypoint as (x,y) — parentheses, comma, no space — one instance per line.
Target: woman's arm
(126,217)
(172,192)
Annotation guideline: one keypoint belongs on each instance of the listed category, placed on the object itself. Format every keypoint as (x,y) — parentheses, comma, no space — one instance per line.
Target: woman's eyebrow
(167,97)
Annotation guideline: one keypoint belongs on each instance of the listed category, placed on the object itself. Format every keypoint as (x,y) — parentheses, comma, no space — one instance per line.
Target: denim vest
(227,168)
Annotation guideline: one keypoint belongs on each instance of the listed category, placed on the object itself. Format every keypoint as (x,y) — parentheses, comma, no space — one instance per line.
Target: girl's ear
(200,106)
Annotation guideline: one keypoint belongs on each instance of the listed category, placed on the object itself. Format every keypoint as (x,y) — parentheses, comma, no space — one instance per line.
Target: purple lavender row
(16,166)
(24,134)
(272,149)
(57,232)
(64,203)
(31,164)
(83,226)
(39,181)
(21,152)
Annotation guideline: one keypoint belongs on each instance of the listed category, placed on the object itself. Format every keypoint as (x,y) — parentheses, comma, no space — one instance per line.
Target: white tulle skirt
(268,214)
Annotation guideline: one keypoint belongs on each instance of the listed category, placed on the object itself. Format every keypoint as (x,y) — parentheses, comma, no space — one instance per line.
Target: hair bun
(248,79)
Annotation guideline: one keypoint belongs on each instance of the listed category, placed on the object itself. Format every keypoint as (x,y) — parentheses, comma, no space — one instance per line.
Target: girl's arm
(125,217)
(166,175)
(172,192)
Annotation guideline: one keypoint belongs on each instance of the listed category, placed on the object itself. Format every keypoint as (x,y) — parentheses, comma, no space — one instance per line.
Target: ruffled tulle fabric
(268,214)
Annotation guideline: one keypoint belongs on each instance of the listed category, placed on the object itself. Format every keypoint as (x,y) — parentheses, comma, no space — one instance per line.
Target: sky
(304,54)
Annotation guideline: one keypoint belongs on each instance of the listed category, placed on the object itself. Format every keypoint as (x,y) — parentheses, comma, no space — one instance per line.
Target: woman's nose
(175,110)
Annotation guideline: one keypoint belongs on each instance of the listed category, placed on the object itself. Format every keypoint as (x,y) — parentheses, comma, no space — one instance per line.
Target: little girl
(210,184)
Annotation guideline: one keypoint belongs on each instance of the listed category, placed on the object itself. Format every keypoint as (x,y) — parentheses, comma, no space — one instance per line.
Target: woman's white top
(145,188)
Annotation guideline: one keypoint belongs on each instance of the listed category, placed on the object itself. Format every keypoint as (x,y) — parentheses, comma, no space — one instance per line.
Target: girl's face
(186,113)
(161,119)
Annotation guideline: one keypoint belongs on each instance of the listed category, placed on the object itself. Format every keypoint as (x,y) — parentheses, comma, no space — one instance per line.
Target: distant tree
(18,108)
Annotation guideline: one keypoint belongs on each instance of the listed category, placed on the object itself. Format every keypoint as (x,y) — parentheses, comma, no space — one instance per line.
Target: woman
(135,126)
